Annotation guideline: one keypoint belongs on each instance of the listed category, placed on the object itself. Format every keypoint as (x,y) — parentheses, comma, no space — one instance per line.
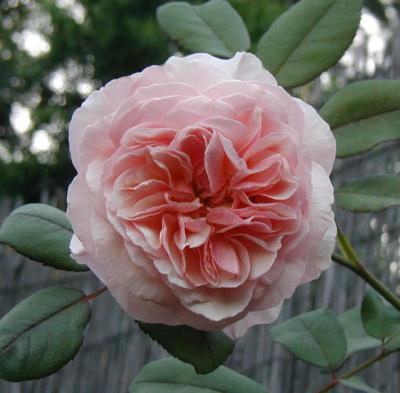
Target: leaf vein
(44,219)
(365,118)
(195,9)
(302,39)
(36,324)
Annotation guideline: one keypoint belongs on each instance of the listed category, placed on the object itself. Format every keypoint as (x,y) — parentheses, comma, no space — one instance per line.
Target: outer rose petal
(253,318)
(195,72)
(243,66)
(313,254)
(318,138)
(322,236)
(79,212)
(97,106)
(78,251)
(320,256)
(225,303)
(139,293)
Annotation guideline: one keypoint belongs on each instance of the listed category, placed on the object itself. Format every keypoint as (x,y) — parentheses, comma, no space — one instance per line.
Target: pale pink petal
(253,318)
(283,107)
(137,292)
(243,66)
(227,90)
(262,254)
(225,256)
(215,163)
(232,130)
(216,304)
(94,178)
(79,211)
(160,90)
(170,227)
(318,138)
(145,114)
(148,136)
(97,106)
(321,238)
(248,67)
(269,294)
(192,111)
(194,71)
(320,257)
(198,232)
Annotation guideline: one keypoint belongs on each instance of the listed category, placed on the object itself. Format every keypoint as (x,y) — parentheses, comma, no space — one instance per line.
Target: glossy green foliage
(206,351)
(356,337)
(172,376)
(380,320)
(364,114)
(42,333)
(315,337)
(41,233)
(369,194)
(308,39)
(214,27)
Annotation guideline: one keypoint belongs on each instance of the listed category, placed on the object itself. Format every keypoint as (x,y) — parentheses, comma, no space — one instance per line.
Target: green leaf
(204,350)
(172,376)
(357,383)
(42,333)
(369,193)
(357,339)
(380,320)
(364,114)
(315,337)
(308,39)
(392,343)
(42,233)
(214,27)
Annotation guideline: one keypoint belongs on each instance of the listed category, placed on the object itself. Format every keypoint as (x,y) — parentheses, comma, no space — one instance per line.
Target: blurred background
(53,54)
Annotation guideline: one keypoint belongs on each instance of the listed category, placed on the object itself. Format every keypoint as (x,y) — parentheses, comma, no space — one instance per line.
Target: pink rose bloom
(203,195)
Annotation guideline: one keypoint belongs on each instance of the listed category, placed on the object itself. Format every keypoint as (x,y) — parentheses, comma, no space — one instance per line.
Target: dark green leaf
(172,376)
(364,114)
(205,351)
(42,233)
(369,194)
(357,383)
(308,39)
(315,337)
(42,333)
(357,339)
(214,27)
(380,320)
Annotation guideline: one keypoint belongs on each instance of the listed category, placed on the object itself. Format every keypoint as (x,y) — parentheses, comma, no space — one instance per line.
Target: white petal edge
(318,137)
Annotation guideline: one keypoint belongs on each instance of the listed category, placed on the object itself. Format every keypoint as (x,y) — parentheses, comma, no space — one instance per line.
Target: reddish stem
(94,294)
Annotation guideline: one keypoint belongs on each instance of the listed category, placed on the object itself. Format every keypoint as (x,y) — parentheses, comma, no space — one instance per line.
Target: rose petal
(318,138)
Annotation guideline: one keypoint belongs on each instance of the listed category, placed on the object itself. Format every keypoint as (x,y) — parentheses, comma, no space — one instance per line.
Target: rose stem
(353,262)
(94,294)
(370,278)
(355,371)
